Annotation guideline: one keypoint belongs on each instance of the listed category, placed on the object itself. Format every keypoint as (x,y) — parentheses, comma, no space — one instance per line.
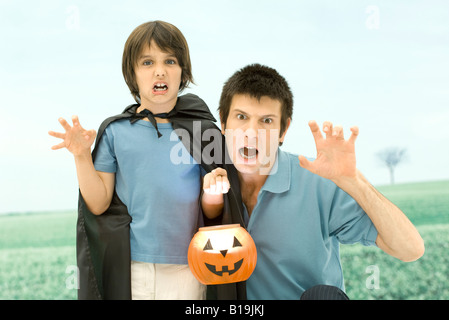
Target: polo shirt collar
(279,178)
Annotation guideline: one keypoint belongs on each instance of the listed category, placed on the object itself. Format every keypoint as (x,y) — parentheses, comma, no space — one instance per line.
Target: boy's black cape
(103,244)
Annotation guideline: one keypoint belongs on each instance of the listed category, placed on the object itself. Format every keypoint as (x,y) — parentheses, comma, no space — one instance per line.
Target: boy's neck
(158,108)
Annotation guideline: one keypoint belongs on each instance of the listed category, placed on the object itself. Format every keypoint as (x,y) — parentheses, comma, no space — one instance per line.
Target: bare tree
(391,157)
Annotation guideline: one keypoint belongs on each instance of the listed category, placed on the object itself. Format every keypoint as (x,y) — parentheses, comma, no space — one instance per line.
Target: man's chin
(253,168)
(247,169)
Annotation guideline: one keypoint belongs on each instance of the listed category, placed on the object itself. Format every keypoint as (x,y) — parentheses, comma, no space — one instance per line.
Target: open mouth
(160,87)
(248,152)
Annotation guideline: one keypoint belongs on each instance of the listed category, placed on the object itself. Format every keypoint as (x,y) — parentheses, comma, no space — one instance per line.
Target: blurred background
(381,65)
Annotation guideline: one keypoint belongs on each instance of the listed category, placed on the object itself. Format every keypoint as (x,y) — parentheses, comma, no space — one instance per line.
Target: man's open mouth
(248,152)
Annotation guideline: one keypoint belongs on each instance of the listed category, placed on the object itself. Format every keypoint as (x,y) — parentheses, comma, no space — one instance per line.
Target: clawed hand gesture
(76,139)
(335,158)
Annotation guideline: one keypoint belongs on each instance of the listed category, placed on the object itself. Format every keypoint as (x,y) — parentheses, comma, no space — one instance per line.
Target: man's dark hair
(257,81)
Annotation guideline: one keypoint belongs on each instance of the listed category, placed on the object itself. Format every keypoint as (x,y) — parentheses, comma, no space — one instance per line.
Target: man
(298,210)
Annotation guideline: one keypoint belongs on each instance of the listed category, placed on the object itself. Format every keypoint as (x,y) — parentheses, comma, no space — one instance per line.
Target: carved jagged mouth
(224,269)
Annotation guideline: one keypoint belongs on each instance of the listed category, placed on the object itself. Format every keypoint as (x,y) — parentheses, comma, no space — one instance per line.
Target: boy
(132,190)
(298,213)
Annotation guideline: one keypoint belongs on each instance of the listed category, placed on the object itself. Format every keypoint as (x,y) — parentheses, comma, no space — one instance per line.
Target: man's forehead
(248,104)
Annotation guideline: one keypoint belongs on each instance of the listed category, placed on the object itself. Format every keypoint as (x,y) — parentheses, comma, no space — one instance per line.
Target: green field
(37,253)
(426,204)
(36,250)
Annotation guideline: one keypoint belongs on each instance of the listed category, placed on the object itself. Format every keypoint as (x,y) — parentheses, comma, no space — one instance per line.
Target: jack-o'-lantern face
(222,254)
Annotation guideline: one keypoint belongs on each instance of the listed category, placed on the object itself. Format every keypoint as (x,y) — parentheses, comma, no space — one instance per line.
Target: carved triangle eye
(208,245)
(236,243)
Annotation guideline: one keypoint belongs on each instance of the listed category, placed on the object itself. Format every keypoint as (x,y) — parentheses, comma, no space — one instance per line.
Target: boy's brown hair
(168,38)
(257,81)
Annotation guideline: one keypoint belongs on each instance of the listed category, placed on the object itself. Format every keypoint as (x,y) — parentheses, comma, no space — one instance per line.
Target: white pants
(152,281)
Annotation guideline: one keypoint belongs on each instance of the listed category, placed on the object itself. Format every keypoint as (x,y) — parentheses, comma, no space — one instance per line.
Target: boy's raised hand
(216,182)
(76,139)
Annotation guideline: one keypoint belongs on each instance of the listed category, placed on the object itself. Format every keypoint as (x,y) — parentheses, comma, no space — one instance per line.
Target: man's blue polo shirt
(297,224)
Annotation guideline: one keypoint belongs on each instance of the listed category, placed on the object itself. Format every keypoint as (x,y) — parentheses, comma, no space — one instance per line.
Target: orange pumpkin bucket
(222,254)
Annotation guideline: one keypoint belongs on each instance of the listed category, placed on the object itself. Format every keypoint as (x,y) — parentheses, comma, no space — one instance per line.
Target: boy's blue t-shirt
(297,225)
(161,194)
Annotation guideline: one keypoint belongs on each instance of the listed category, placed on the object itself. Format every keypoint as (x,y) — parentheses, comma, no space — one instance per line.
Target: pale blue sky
(381,65)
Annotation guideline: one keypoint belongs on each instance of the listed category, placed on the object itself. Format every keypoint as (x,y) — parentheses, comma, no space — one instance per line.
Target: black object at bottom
(324,292)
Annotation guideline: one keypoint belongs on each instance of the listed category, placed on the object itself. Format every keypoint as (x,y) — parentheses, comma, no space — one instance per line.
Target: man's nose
(252,128)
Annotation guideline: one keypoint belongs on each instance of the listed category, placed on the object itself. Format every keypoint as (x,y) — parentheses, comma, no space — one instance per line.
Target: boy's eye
(170,61)
(147,63)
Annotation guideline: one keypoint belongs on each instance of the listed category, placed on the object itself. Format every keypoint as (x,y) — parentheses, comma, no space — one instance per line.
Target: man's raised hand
(335,158)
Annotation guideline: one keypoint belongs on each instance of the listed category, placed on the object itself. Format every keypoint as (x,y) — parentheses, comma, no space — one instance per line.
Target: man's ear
(282,137)
(223,128)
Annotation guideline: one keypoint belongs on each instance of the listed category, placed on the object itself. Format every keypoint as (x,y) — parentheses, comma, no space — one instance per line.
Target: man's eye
(267,120)
(241,116)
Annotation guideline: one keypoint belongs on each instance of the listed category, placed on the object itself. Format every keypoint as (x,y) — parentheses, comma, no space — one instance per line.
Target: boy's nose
(159,71)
